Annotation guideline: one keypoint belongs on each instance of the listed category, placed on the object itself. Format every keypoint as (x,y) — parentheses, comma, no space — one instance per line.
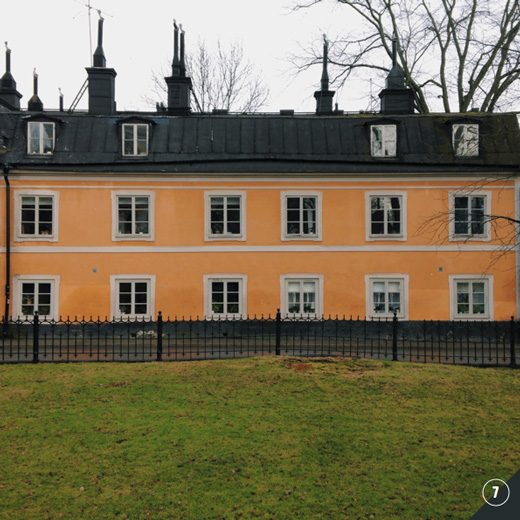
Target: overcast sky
(53,37)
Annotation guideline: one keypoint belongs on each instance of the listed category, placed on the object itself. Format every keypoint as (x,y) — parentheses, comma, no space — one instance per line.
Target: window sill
(313,238)
(470,238)
(225,238)
(133,238)
(387,238)
(33,238)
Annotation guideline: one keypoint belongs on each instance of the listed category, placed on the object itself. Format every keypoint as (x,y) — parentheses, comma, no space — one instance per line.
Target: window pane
(28,215)
(217,286)
(477,215)
(233,215)
(233,308)
(377,141)
(293,215)
(142,148)
(34,131)
(394,296)
(293,297)
(309,215)
(141,287)
(309,297)
(378,292)
(234,228)
(142,132)
(125,287)
(293,203)
(125,308)
(128,131)
(465,140)
(232,286)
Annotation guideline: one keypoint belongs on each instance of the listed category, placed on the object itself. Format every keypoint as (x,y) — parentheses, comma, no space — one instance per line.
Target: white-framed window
(385,215)
(225,295)
(465,139)
(36,215)
(387,294)
(225,215)
(133,215)
(135,139)
(36,293)
(132,296)
(469,216)
(40,138)
(383,140)
(471,297)
(301,295)
(301,215)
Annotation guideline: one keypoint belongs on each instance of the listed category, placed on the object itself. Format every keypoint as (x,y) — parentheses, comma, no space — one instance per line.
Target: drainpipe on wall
(7,246)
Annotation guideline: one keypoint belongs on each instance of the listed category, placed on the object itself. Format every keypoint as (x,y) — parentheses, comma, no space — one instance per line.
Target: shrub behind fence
(469,343)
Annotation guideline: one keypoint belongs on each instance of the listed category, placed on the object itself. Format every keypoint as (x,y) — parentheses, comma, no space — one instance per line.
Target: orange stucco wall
(85,256)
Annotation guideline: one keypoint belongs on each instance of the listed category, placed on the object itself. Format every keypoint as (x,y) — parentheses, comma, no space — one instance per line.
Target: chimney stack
(324,96)
(35,104)
(9,96)
(396,98)
(101,81)
(179,86)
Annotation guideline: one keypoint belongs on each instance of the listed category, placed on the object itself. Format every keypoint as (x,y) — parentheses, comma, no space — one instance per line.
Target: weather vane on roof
(100,13)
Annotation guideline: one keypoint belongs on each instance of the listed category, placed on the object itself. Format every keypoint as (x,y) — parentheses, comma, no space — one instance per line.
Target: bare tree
(222,79)
(464,216)
(465,53)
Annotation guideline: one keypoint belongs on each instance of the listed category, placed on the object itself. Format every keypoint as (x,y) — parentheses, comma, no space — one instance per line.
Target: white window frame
(40,139)
(19,280)
(208,235)
(403,279)
(484,237)
(369,237)
(466,145)
(18,235)
(116,236)
(302,278)
(225,277)
(284,195)
(387,145)
(135,140)
(488,281)
(116,279)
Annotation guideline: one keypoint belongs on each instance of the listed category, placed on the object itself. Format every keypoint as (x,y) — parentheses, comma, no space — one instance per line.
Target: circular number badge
(495,492)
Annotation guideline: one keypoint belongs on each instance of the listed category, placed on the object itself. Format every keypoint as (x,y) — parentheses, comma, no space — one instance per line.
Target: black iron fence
(65,340)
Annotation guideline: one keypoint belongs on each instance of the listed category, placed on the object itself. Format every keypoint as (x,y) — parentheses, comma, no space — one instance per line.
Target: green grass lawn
(254,438)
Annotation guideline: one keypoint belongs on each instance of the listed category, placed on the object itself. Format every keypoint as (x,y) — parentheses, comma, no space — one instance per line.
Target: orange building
(107,213)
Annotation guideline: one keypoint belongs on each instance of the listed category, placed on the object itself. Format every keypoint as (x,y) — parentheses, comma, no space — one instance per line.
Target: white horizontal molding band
(296,248)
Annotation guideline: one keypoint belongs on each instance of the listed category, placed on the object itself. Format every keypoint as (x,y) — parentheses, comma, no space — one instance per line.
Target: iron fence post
(394,337)
(36,338)
(159,336)
(513,338)
(278,332)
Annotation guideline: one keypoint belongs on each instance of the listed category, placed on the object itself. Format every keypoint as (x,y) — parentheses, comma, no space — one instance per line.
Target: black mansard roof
(263,143)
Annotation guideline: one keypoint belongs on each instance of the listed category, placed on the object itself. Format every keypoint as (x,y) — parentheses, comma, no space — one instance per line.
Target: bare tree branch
(464,52)
(222,79)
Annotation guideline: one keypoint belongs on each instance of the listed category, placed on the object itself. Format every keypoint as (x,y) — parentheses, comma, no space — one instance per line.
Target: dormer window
(465,140)
(383,140)
(135,140)
(40,138)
